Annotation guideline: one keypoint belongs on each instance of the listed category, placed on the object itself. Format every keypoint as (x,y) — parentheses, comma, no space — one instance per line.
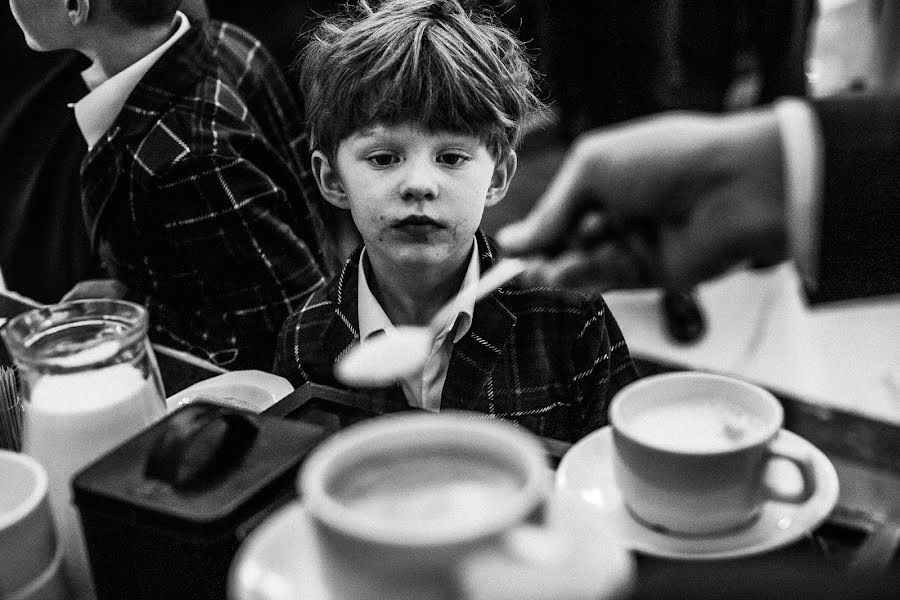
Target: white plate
(586,470)
(250,390)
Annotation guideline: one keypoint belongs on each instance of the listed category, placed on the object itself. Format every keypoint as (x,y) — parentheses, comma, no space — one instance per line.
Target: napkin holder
(164,513)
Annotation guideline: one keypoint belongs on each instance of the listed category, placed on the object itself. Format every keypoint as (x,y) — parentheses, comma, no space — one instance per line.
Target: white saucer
(279,560)
(587,470)
(250,390)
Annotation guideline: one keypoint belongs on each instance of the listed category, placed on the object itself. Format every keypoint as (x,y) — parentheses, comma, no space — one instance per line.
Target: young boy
(414,110)
(193,184)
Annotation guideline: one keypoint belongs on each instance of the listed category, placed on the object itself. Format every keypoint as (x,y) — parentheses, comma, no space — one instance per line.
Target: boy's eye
(453,159)
(382,159)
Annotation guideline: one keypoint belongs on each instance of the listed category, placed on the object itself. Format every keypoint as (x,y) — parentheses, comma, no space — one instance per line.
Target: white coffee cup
(434,506)
(27,535)
(691,450)
(51,584)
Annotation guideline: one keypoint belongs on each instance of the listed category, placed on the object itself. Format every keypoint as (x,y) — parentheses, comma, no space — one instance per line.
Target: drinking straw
(10,410)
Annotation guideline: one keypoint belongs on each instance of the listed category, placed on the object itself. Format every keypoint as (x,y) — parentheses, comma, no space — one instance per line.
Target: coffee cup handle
(778,449)
(561,560)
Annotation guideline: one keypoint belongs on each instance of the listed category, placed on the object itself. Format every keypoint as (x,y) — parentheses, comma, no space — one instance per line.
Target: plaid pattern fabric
(546,359)
(199,199)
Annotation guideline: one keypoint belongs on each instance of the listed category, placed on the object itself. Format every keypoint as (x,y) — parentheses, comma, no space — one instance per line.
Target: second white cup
(691,450)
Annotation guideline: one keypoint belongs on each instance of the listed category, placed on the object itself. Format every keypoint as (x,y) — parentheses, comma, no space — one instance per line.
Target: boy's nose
(420,182)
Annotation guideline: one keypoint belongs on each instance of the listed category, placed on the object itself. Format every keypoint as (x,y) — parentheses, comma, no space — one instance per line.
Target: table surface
(864,447)
(760,328)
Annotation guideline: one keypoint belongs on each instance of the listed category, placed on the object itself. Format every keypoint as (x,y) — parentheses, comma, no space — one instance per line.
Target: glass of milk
(89,382)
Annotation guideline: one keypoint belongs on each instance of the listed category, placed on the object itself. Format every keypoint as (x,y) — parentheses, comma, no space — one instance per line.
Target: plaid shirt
(546,359)
(199,200)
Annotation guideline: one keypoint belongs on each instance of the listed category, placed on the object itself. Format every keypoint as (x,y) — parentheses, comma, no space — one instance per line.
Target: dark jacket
(859,236)
(199,199)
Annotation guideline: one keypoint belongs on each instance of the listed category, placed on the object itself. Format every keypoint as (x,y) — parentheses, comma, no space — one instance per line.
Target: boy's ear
(329,180)
(503,174)
(78,11)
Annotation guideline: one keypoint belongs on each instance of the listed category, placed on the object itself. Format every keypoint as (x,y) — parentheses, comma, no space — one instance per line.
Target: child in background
(414,111)
(193,185)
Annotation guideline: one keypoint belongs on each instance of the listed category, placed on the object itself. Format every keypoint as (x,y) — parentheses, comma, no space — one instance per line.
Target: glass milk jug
(89,382)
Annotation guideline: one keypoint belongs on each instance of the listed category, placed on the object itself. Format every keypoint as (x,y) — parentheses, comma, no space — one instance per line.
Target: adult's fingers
(547,227)
(598,269)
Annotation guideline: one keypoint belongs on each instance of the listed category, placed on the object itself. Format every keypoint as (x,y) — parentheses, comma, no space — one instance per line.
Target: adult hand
(671,201)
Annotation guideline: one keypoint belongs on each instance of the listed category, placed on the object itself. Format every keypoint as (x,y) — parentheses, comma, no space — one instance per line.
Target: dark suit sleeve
(860,229)
(232,247)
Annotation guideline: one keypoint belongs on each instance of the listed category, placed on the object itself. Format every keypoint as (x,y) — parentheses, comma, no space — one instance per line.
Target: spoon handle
(504,270)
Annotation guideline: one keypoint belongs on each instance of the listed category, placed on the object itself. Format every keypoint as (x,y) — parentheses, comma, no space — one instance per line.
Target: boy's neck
(414,297)
(116,49)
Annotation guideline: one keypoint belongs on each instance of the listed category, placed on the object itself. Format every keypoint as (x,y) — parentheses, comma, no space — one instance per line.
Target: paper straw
(10,411)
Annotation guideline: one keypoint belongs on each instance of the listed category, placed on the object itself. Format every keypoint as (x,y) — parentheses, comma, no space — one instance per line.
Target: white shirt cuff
(804,166)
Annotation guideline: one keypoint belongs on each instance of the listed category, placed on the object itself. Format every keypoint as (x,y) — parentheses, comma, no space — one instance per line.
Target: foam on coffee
(698,425)
(431,492)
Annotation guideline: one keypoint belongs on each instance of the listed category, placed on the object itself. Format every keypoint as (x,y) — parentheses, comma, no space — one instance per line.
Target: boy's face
(416,196)
(43,22)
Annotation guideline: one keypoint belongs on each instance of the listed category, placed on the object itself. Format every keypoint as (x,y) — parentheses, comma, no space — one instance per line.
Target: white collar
(373,319)
(96,112)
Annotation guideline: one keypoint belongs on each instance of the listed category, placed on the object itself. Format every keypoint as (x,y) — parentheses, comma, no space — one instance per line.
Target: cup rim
(350,522)
(37,495)
(616,419)
(18,335)
(29,589)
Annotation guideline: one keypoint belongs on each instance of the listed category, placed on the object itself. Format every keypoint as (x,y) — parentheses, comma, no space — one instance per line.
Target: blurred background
(601,63)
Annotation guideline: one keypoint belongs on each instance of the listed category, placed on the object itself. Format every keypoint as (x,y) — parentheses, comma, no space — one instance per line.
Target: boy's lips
(418,221)
(417,228)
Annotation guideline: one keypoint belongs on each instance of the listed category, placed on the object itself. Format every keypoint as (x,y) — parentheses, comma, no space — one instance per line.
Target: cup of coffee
(27,535)
(428,506)
(691,450)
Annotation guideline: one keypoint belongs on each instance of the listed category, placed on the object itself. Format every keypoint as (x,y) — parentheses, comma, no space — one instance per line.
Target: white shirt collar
(373,319)
(96,112)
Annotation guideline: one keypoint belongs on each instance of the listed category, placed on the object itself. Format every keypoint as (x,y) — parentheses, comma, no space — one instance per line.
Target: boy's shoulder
(226,73)
(212,58)
(548,307)
(215,91)
(335,298)
(523,296)
(237,57)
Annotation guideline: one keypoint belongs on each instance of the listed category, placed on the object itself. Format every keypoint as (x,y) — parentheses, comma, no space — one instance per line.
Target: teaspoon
(402,352)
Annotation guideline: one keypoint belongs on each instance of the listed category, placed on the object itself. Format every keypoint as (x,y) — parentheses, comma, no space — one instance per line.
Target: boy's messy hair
(431,62)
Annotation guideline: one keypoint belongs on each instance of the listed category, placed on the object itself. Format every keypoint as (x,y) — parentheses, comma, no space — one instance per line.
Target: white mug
(50,584)
(433,506)
(27,534)
(691,451)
